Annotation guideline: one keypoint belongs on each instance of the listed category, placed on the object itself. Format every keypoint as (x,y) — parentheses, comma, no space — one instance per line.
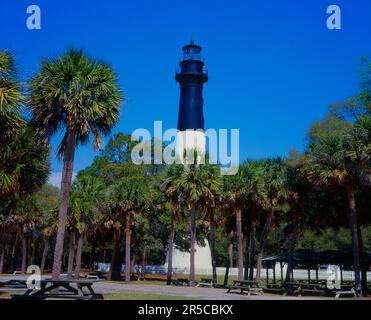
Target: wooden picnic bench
(65,290)
(206,282)
(251,287)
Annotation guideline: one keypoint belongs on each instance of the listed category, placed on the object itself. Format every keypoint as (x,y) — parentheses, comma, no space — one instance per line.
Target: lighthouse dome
(192,51)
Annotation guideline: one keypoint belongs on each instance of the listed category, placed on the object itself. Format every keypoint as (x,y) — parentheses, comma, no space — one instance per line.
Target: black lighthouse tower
(191,77)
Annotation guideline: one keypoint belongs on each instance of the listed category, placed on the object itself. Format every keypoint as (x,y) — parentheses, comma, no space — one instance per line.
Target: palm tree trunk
(363,262)
(132,258)
(352,217)
(115,270)
(263,237)
(290,263)
(13,254)
(212,245)
(2,254)
(33,252)
(192,273)
(239,244)
(231,250)
(252,251)
(80,244)
(143,262)
(127,248)
(230,258)
(247,253)
(92,255)
(71,254)
(45,255)
(24,254)
(64,259)
(65,195)
(171,250)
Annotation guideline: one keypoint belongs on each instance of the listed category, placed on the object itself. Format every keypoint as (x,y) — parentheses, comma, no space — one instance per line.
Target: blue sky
(274,67)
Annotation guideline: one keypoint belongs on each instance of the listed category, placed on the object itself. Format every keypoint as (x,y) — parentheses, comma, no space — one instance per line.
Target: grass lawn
(140,296)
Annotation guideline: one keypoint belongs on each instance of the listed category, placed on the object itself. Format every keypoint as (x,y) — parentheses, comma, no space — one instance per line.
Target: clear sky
(274,67)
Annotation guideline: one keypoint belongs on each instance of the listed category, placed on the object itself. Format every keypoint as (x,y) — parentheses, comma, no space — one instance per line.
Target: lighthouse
(191,123)
(190,136)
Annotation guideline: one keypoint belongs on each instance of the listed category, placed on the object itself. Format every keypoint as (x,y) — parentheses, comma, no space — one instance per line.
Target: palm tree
(23,166)
(338,162)
(48,200)
(251,170)
(129,197)
(19,151)
(49,230)
(172,198)
(25,216)
(11,120)
(237,191)
(229,228)
(76,95)
(193,184)
(274,180)
(210,201)
(86,195)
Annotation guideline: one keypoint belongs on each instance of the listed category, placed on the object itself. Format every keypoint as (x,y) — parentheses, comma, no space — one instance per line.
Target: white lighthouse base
(181,261)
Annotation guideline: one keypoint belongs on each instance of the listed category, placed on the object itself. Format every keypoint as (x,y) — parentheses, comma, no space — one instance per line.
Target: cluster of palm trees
(150,206)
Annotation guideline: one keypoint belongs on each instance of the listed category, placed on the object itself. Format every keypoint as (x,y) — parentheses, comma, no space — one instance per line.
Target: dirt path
(188,292)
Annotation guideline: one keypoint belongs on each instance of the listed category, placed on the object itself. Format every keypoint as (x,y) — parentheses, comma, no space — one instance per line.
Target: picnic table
(312,288)
(181,282)
(18,272)
(345,290)
(318,288)
(67,289)
(93,275)
(14,283)
(251,287)
(292,288)
(206,282)
(274,287)
(321,288)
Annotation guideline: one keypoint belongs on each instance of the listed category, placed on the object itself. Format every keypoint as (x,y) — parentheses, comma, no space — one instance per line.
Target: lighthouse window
(192,56)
